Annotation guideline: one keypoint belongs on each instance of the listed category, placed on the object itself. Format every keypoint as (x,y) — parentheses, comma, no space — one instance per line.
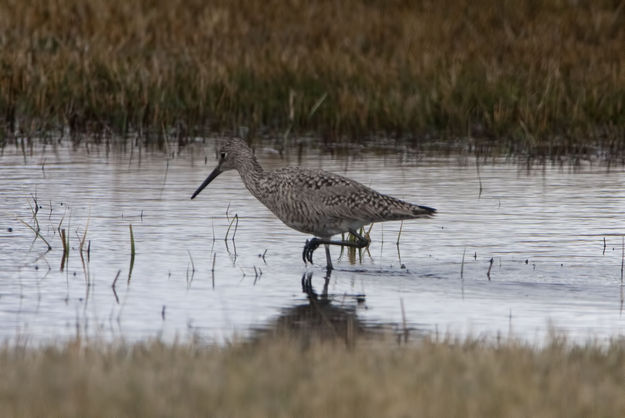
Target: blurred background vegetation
(531,73)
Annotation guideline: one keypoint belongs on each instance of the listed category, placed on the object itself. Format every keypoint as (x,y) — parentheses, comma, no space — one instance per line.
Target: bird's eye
(222,155)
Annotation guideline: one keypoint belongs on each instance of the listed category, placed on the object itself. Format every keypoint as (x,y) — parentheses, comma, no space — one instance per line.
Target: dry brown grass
(280,377)
(529,70)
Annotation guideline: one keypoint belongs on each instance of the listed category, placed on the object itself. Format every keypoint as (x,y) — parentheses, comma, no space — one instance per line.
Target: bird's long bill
(211,177)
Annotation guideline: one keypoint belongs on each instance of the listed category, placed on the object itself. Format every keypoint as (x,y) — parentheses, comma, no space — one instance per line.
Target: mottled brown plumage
(315,202)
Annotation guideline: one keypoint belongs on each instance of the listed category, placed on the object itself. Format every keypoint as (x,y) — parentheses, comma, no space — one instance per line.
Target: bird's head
(232,154)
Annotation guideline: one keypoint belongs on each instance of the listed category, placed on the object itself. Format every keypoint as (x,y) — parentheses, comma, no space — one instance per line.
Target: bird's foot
(309,249)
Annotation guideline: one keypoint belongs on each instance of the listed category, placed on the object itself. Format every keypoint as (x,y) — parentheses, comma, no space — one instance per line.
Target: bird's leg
(313,244)
(326,282)
(328,258)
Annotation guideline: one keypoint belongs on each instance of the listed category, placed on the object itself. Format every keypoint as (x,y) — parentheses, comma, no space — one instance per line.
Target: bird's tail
(404,210)
(396,209)
(423,211)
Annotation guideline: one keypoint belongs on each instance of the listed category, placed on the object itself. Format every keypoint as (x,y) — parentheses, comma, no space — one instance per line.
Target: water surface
(544,230)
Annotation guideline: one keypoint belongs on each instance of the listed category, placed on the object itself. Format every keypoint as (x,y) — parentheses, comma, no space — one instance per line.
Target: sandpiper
(315,202)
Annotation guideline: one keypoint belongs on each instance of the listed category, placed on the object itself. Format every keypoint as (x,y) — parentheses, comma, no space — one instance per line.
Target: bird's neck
(251,173)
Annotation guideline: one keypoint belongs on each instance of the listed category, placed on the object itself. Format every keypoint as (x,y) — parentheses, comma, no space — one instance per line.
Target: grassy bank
(528,71)
(283,378)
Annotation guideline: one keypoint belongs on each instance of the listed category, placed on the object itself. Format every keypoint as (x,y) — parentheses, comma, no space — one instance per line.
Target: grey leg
(328,258)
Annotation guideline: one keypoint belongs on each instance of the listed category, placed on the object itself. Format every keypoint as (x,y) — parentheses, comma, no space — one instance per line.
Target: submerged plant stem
(132,252)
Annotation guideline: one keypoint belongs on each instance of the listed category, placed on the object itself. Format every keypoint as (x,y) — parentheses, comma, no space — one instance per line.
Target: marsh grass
(37,232)
(65,240)
(546,75)
(132,252)
(34,208)
(280,377)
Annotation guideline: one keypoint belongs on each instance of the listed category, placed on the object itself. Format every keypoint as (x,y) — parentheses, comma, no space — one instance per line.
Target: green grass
(280,377)
(533,74)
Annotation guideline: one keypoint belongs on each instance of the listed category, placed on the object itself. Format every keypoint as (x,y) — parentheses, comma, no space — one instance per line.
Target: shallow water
(543,228)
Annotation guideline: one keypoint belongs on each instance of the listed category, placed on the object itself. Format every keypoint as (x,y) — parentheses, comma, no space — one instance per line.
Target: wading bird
(315,202)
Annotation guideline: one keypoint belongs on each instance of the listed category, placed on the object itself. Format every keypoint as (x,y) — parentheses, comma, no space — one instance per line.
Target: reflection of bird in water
(307,287)
(319,318)
(313,201)
(330,317)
